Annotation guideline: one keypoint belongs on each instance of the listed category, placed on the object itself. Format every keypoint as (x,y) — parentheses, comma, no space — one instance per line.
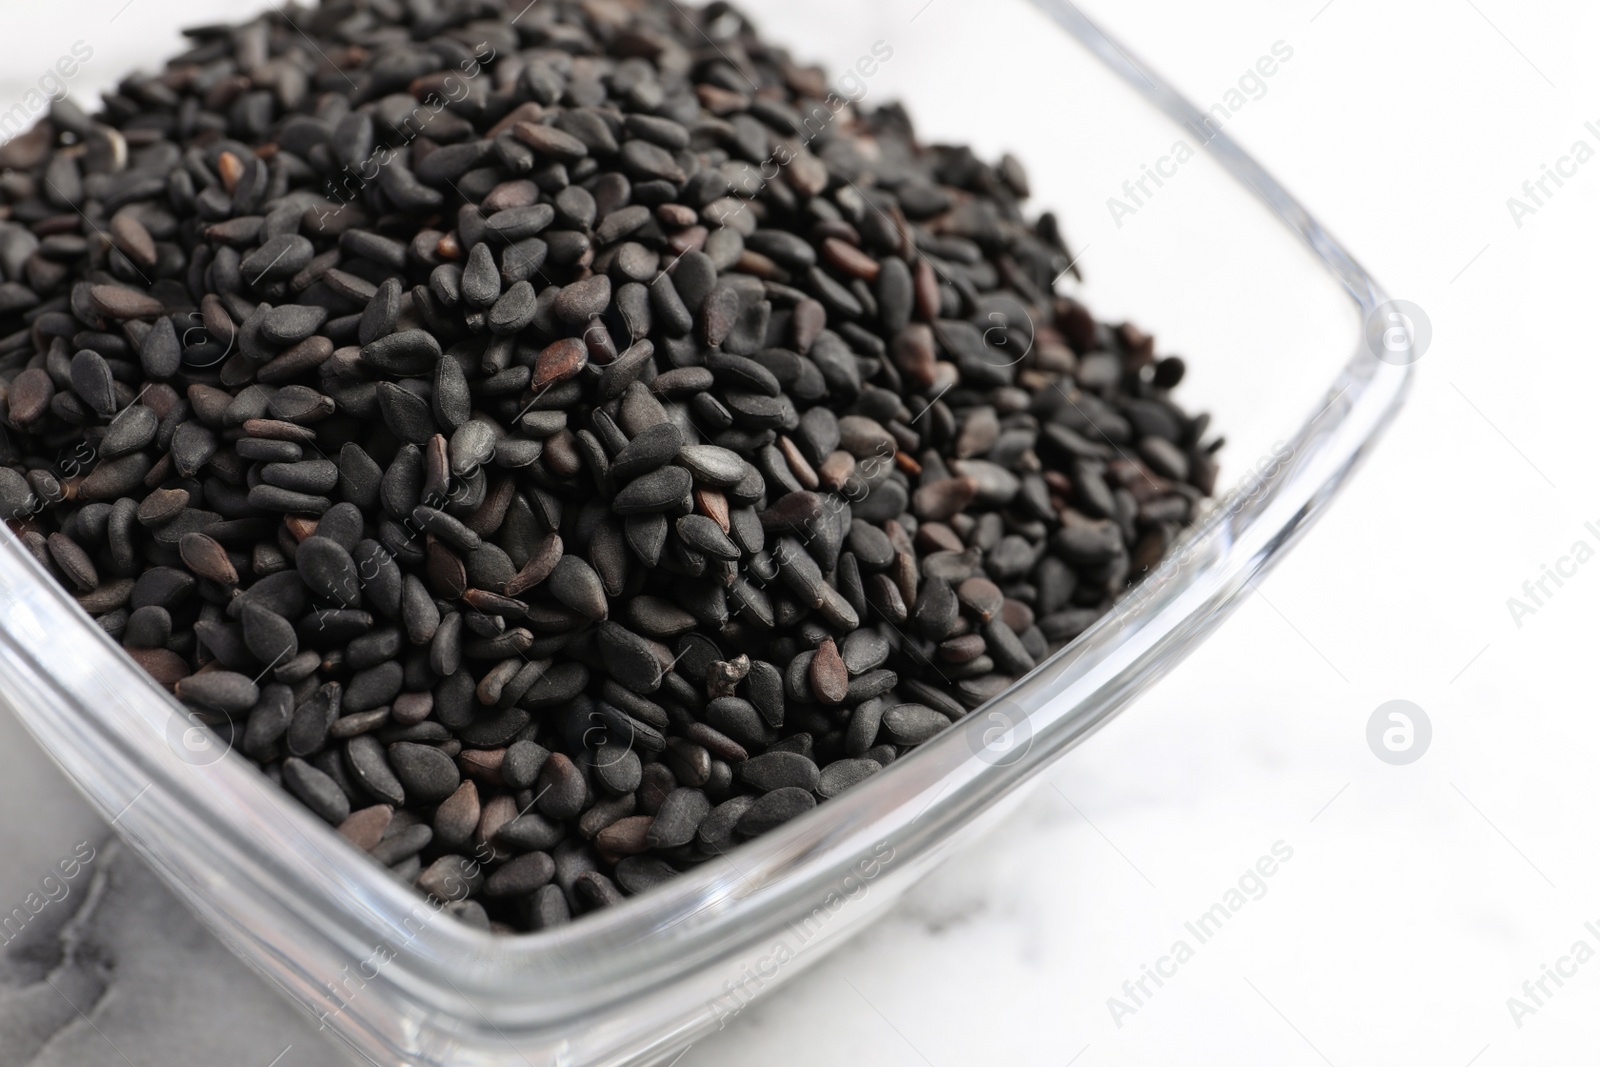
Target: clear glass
(1226,264)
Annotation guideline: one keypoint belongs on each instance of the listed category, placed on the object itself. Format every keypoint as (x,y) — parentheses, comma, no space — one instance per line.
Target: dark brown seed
(365,828)
(131,237)
(850,259)
(30,396)
(718,314)
(547,140)
(206,557)
(981,597)
(829,678)
(542,560)
(626,837)
(559,362)
(116,302)
(73,561)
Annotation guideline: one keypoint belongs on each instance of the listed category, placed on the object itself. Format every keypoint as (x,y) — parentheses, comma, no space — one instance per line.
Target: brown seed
(676,215)
(792,510)
(364,828)
(809,319)
(719,314)
(850,259)
(937,537)
(130,236)
(943,498)
(561,454)
(541,561)
(714,506)
(925,286)
(30,396)
(904,573)
(411,708)
(493,683)
(981,597)
(300,526)
(979,432)
(897,536)
(107,596)
(497,814)
(278,430)
(759,265)
(961,649)
(118,302)
(1016,615)
(913,352)
(716,742)
(206,557)
(797,464)
(830,679)
(73,561)
(808,175)
(449,246)
(884,596)
(517,193)
(436,464)
(836,470)
(483,764)
(550,141)
(626,837)
(560,361)
(162,664)
(692,239)
(447,575)
(362,722)
(230,170)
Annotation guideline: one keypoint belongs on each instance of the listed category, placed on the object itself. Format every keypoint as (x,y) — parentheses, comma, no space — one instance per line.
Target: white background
(1419,898)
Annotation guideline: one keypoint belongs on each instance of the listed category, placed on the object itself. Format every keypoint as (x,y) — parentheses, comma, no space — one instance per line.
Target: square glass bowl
(1217,261)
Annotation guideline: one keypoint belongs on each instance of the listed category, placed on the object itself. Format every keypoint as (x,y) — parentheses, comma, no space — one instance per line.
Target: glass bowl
(1217,260)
